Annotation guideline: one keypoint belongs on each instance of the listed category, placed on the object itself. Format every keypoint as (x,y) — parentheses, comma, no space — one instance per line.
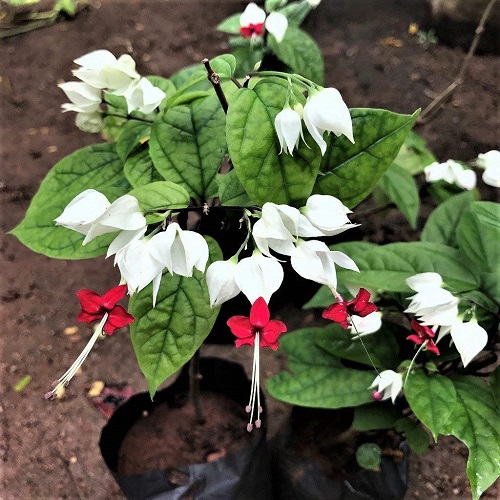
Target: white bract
(83,97)
(313,260)
(92,123)
(258,276)
(313,3)
(490,161)
(388,384)
(325,111)
(277,24)
(101,69)
(220,281)
(452,173)
(367,325)
(180,250)
(288,124)
(252,14)
(143,96)
(328,214)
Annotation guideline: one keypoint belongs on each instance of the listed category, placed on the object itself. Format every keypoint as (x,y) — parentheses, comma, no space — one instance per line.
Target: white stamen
(69,374)
(255,387)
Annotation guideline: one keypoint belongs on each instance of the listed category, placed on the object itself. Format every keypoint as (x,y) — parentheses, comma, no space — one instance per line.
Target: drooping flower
(366,325)
(490,161)
(277,24)
(288,124)
(180,251)
(340,311)
(95,308)
(388,384)
(452,173)
(253,20)
(258,276)
(143,96)
(220,281)
(326,111)
(423,335)
(83,97)
(258,330)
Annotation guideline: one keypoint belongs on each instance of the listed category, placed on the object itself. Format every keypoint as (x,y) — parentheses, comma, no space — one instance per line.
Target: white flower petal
(220,281)
(96,60)
(367,325)
(123,239)
(252,14)
(466,179)
(419,282)
(277,24)
(469,339)
(489,159)
(491,176)
(288,126)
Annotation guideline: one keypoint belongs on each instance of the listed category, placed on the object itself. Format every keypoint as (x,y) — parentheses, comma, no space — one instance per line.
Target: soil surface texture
(49,450)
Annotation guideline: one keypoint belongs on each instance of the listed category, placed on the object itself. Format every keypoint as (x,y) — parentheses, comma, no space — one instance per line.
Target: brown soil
(49,449)
(170,437)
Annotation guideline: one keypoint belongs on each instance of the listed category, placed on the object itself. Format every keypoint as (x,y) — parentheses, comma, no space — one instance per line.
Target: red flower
(94,307)
(251,30)
(259,322)
(423,334)
(359,306)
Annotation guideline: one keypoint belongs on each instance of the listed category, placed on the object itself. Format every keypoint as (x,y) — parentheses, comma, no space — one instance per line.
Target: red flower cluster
(423,334)
(94,307)
(259,322)
(252,30)
(359,306)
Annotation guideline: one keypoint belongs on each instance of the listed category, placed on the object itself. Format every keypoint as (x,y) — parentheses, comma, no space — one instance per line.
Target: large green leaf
(94,167)
(387,267)
(132,135)
(380,415)
(432,398)
(231,25)
(441,226)
(188,144)
(231,192)
(166,337)
(300,53)
(161,194)
(254,147)
(139,168)
(400,187)
(316,378)
(476,422)
(296,12)
(351,171)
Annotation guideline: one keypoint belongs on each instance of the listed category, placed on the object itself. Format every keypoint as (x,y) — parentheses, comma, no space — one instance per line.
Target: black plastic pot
(302,478)
(241,475)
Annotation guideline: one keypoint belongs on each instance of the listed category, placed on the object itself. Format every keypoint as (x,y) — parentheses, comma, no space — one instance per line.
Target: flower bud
(288,126)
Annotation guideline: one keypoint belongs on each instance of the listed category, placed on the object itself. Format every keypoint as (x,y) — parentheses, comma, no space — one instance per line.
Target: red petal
(422,330)
(336,312)
(111,297)
(259,314)
(431,346)
(369,308)
(416,338)
(271,332)
(272,345)
(85,317)
(258,28)
(89,300)
(246,341)
(360,301)
(118,318)
(241,327)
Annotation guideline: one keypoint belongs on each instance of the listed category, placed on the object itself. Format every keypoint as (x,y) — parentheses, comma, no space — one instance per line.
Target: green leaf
(224,65)
(387,267)
(382,346)
(185,75)
(375,416)
(441,226)
(432,398)
(230,25)
(296,12)
(231,192)
(247,56)
(162,194)
(139,168)
(414,154)
(300,53)
(131,137)
(94,167)
(495,385)
(476,422)
(368,456)
(351,171)
(400,187)
(188,145)
(416,436)
(316,378)
(66,6)
(166,337)
(254,147)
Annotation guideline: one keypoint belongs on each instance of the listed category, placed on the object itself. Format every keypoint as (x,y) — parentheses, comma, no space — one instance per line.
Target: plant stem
(127,117)
(194,387)
(214,79)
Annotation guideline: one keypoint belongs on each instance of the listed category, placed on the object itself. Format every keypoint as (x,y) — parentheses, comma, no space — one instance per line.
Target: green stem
(297,78)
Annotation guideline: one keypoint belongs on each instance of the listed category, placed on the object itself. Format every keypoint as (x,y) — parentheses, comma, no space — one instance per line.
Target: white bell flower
(83,97)
(143,96)
(313,260)
(102,70)
(288,124)
(180,250)
(90,213)
(258,276)
(452,173)
(388,384)
(277,24)
(325,111)
(220,281)
(252,15)
(490,161)
(365,326)
(328,214)
(92,123)
(123,239)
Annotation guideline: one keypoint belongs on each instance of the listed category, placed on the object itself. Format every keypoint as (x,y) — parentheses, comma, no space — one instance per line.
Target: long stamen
(69,374)
(413,360)
(258,422)
(255,377)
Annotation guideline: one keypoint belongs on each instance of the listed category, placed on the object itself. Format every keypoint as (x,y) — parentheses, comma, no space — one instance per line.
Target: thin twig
(430,110)
(214,79)
(194,386)
(128,117)
(236,82)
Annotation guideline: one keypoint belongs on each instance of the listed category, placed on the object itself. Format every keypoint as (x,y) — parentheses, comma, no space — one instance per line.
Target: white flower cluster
(101,70)
(490,161)
(254,19)
(438,308)
(451,172)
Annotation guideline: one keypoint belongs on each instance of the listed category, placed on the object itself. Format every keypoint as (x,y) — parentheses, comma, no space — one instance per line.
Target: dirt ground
(49,449)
